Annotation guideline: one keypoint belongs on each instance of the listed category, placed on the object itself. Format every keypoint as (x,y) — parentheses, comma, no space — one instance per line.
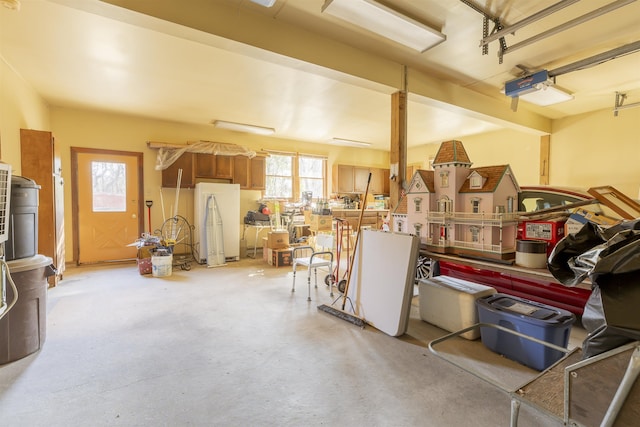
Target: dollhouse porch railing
(470,218)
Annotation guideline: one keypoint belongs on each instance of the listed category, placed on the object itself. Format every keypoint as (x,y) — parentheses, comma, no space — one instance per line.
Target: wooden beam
(398,149)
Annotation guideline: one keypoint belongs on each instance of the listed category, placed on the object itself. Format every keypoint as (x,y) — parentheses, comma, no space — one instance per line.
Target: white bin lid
(30,263)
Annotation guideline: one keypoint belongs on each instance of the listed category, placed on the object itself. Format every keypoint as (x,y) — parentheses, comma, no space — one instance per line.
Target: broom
(341,313)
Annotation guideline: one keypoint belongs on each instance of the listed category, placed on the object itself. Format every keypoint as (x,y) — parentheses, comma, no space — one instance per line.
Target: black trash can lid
(22,182)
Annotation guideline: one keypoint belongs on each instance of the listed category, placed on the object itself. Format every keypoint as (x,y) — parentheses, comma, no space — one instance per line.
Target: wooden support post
(398,149)
(545,147)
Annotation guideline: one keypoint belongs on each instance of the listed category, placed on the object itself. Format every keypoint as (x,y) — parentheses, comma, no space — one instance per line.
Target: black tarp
(611,259)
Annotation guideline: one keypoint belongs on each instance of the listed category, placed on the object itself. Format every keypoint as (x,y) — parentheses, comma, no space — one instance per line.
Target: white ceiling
(92,54)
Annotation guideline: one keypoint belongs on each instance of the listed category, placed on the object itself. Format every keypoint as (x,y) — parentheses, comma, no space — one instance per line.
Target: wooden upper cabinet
(212,166)
(258,169)
(241,171)
(249,173)
(224,167)
(205,165)
(353,179)
(343,179)
(360,178)
(186,163)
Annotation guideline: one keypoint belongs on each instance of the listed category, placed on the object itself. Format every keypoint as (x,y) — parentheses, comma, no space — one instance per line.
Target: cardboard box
(580,217)
(278,239)
(282,257)
(320,222)
(302,253)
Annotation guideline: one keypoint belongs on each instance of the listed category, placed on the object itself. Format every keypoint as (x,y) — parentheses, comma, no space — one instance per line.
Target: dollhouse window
(417,228)
(399,226)
(475,205)
(476,181)
(444,205)
(444,179)
(475,234)
(510,204)
(418,204)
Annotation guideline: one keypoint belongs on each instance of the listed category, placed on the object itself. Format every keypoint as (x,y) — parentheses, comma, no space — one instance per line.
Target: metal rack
(574,391)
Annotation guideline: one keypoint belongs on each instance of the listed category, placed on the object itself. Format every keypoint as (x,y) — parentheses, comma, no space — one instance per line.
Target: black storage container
(23,219)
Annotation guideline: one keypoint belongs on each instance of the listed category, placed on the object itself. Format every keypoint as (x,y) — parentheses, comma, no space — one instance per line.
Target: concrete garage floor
(232,346)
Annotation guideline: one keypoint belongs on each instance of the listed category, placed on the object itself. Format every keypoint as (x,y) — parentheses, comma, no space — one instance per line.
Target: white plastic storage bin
(450,303)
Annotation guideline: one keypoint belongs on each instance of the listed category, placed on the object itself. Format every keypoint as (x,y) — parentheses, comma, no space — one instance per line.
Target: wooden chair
(317,259)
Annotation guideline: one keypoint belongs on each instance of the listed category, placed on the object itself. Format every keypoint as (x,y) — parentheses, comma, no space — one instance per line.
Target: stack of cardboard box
(277,251)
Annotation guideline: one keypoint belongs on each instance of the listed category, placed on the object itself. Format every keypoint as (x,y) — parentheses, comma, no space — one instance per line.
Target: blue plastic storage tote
(546,323)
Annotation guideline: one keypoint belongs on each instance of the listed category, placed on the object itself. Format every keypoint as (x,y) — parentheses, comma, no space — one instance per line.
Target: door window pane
(109,181)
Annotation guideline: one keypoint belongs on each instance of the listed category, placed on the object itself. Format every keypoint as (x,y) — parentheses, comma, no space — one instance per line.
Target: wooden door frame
(74,190)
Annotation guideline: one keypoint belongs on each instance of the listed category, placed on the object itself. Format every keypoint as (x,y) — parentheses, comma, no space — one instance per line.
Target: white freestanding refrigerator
(228,200)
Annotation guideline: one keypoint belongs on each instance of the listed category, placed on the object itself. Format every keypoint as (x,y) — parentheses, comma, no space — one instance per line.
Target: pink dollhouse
(457,209)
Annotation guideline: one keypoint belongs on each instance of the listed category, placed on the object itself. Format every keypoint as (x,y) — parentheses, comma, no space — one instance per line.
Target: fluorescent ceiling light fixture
(241,127)
(546,94)
(379,19)
(265,3)
(349,142)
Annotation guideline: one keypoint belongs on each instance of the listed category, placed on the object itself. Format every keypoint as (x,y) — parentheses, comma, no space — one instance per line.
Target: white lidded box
(450,303)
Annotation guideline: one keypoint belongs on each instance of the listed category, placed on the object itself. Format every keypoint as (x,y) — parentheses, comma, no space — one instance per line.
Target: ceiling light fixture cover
(386,22)
(547,94)
(241,127)
(349,142)
(536,88)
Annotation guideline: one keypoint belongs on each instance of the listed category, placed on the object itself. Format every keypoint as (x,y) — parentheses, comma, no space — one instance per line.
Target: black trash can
(24,328)
(22,241)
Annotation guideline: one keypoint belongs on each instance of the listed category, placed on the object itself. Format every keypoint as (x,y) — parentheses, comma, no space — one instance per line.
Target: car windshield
(531,201)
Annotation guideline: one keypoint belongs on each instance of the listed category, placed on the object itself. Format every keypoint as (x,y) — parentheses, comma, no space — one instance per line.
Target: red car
(533,284)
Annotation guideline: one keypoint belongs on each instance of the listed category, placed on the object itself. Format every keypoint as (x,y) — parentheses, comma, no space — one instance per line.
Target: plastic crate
(544,322)
(449,303)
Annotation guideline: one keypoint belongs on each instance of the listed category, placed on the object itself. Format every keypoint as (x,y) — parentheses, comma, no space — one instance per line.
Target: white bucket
(161,265)
(531,253)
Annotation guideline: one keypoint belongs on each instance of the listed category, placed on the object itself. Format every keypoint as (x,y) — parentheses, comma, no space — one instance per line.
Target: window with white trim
(418,204)
(444,179)
(288,175)
(417,227)
(475,205)
(475,181)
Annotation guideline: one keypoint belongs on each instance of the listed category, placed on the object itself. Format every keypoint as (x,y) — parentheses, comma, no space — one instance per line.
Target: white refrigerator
(228,200)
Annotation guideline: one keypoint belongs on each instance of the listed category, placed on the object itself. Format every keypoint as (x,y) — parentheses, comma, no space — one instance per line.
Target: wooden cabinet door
(170,174)
(241,171)
(258,165)
(344,179)
(385,181)
(40,161)
(224,167)
(360,178)
(205,166)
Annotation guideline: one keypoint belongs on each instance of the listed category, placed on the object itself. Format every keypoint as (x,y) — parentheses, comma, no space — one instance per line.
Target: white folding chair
(317,260)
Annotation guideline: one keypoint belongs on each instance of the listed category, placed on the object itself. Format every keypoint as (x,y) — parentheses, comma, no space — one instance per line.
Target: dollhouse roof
(451,152)
(492,176)
(402,206)
(427,178)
